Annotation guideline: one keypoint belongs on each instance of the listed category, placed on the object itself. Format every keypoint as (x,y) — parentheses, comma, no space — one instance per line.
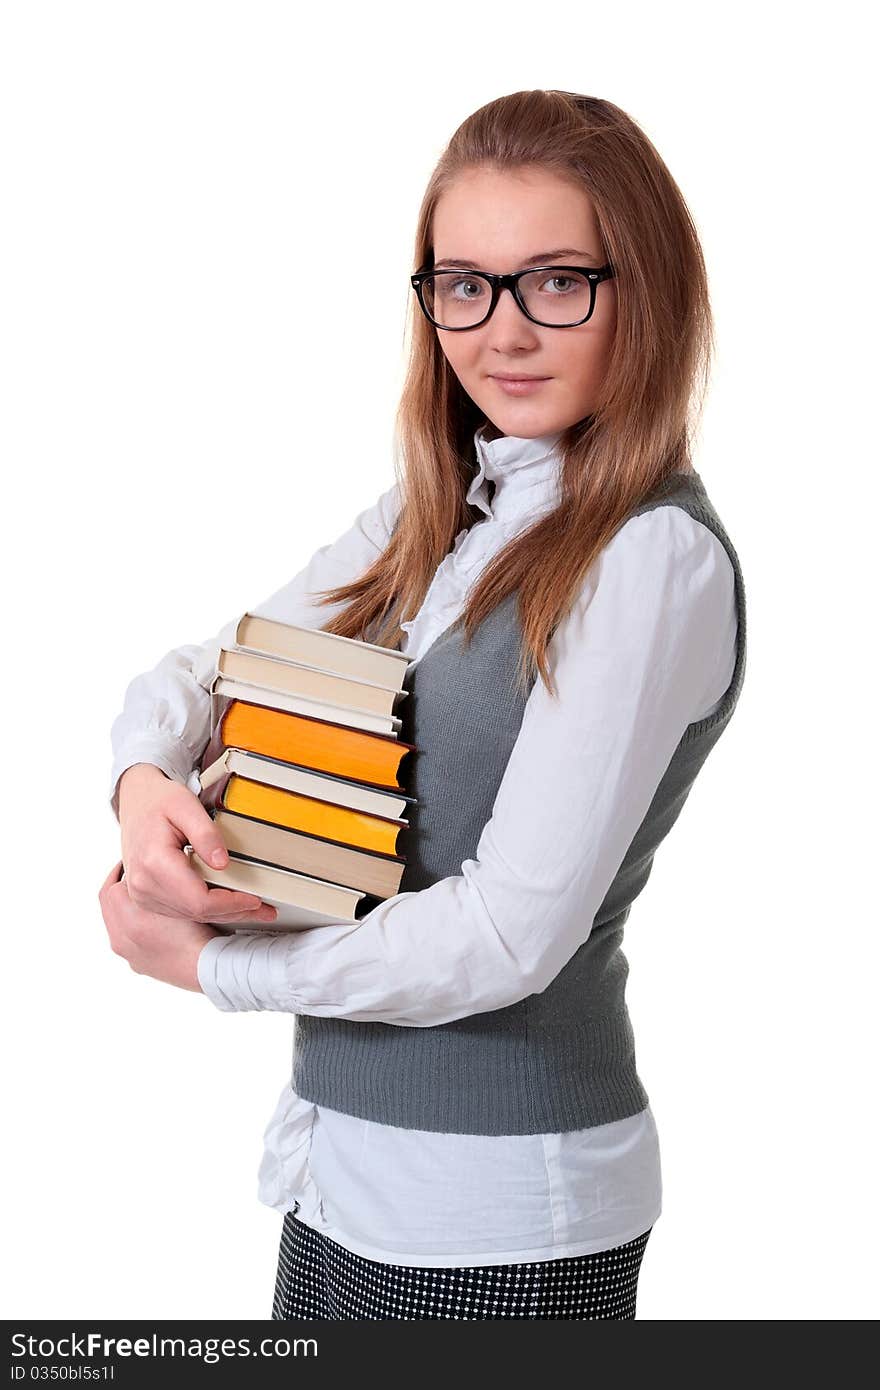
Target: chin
(521,421)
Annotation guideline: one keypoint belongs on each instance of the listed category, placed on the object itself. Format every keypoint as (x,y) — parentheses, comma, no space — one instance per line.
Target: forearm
(417,960)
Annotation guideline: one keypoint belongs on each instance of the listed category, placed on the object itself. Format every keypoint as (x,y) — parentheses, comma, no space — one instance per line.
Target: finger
(227,904)
(170,885)
(113,877)
(266,913)
(201,831)
(134,911)
(233,913)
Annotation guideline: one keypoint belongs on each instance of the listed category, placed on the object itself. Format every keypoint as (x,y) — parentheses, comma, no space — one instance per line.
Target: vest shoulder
(686,491)
(683,489)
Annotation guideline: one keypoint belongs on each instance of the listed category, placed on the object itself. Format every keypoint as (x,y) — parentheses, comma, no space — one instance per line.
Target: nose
(507,319)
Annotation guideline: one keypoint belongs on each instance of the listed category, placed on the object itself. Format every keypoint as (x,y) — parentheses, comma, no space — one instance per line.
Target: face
(498,221)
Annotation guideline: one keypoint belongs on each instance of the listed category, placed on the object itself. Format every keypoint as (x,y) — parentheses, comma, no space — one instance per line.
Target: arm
(646,649)
(166,714)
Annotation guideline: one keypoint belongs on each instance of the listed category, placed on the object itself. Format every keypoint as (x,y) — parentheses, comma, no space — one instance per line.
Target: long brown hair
(640,428)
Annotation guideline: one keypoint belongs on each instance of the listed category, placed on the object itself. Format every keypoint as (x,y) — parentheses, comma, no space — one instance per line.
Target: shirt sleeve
(648,646)
(166,714)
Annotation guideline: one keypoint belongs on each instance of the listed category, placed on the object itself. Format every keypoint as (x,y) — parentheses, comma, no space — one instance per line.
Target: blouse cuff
(246,971)
(165,751)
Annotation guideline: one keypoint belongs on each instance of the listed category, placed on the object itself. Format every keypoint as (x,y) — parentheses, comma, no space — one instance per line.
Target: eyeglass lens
(462,299)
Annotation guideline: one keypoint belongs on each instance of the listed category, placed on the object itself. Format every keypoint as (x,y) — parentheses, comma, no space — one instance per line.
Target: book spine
(212,797)
(215,745)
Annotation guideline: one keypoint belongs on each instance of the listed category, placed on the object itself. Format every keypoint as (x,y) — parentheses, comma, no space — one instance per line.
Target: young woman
(465,1134)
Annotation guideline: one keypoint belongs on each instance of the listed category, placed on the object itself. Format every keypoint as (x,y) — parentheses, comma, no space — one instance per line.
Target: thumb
(198,825)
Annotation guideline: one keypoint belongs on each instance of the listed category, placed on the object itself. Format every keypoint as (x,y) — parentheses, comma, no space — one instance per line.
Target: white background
(185,419)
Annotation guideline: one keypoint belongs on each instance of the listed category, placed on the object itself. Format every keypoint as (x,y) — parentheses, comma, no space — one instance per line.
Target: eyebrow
(540,258)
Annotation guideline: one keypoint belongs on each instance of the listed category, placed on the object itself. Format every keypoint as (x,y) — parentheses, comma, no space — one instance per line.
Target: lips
(520,386)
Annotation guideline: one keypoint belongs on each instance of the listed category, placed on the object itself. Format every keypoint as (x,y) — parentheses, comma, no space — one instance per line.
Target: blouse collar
(514,465)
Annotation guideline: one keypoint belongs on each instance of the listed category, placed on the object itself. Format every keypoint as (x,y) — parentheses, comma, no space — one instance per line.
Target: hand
(158,816)
(153,943)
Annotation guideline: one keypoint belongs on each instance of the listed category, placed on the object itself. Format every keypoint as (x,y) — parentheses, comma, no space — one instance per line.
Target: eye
(465,288)
(572,282)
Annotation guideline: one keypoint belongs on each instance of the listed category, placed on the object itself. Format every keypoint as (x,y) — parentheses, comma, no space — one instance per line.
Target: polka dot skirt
(318,1278)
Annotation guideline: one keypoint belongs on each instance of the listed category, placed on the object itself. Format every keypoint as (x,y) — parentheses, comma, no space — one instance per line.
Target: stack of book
(302,772)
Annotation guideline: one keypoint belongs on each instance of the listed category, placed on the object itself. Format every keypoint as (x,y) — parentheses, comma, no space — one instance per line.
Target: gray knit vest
(562,1059)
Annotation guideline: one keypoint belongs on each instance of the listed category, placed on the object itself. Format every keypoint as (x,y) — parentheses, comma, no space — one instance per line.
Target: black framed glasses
(456,300)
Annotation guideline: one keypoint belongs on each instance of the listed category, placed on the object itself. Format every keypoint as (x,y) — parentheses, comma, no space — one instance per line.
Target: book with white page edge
(322,786)
(346,656)
(294,704)
(309,682)
(301,901)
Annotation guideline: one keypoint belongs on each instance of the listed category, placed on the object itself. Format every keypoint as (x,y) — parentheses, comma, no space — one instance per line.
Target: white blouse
(652,638)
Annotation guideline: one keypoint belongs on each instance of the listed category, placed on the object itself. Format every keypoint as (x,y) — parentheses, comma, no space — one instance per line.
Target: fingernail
(218,858)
